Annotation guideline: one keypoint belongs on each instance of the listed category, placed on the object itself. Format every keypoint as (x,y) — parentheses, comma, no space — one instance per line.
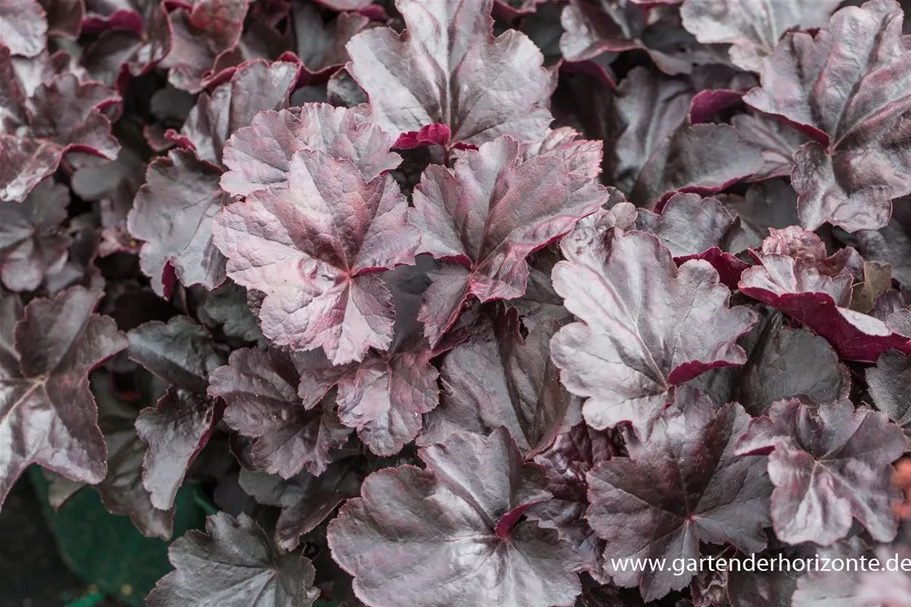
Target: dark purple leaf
(183,354)
(49,413)
(32,242)
(700,158)
(306,500)
(227,308)
(646,327)
(260,155)
(830,464)
(693,227)
(45,115)
(261,390)
(596,27)
(649,108)
(498,378)
(455,528)
(566,463)
(888,383)
(321,46)
(751,27)
(173,213)
(891,244)
(769,204)
(176,430)
(233,564)
(180,352)
(844,87)
(314,247)
(200,34)
(132,44)
(255,87)
(64,17)
(488,214)
(448,69)
(345,5)
(777,141)
(706,104)
(683,486)
(789,363)
(122,490)
(385,397)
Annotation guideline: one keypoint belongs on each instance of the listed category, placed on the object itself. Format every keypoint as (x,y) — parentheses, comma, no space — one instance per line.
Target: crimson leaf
(455,528)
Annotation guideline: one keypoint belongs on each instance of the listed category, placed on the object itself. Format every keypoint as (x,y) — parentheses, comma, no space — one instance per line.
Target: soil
(31,572)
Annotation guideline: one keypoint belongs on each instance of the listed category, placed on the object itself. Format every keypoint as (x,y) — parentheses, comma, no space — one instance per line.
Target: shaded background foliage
(457,302)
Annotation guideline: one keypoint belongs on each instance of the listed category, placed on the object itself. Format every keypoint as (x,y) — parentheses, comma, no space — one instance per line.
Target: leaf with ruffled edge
(751,27)
(816,290)
(183,354)
(305,500)
(49,414)
(847,88)
(292,432)
(488,214)
(42,120)
(500,378)
(830,464)
(23,27)
(260,155)
(452,533)
(201,34)
(693,227)
(233,564)
(173,211)
(32,241)
(683,486)
(566,462)
(446,68)
(646,326)
(315,246)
